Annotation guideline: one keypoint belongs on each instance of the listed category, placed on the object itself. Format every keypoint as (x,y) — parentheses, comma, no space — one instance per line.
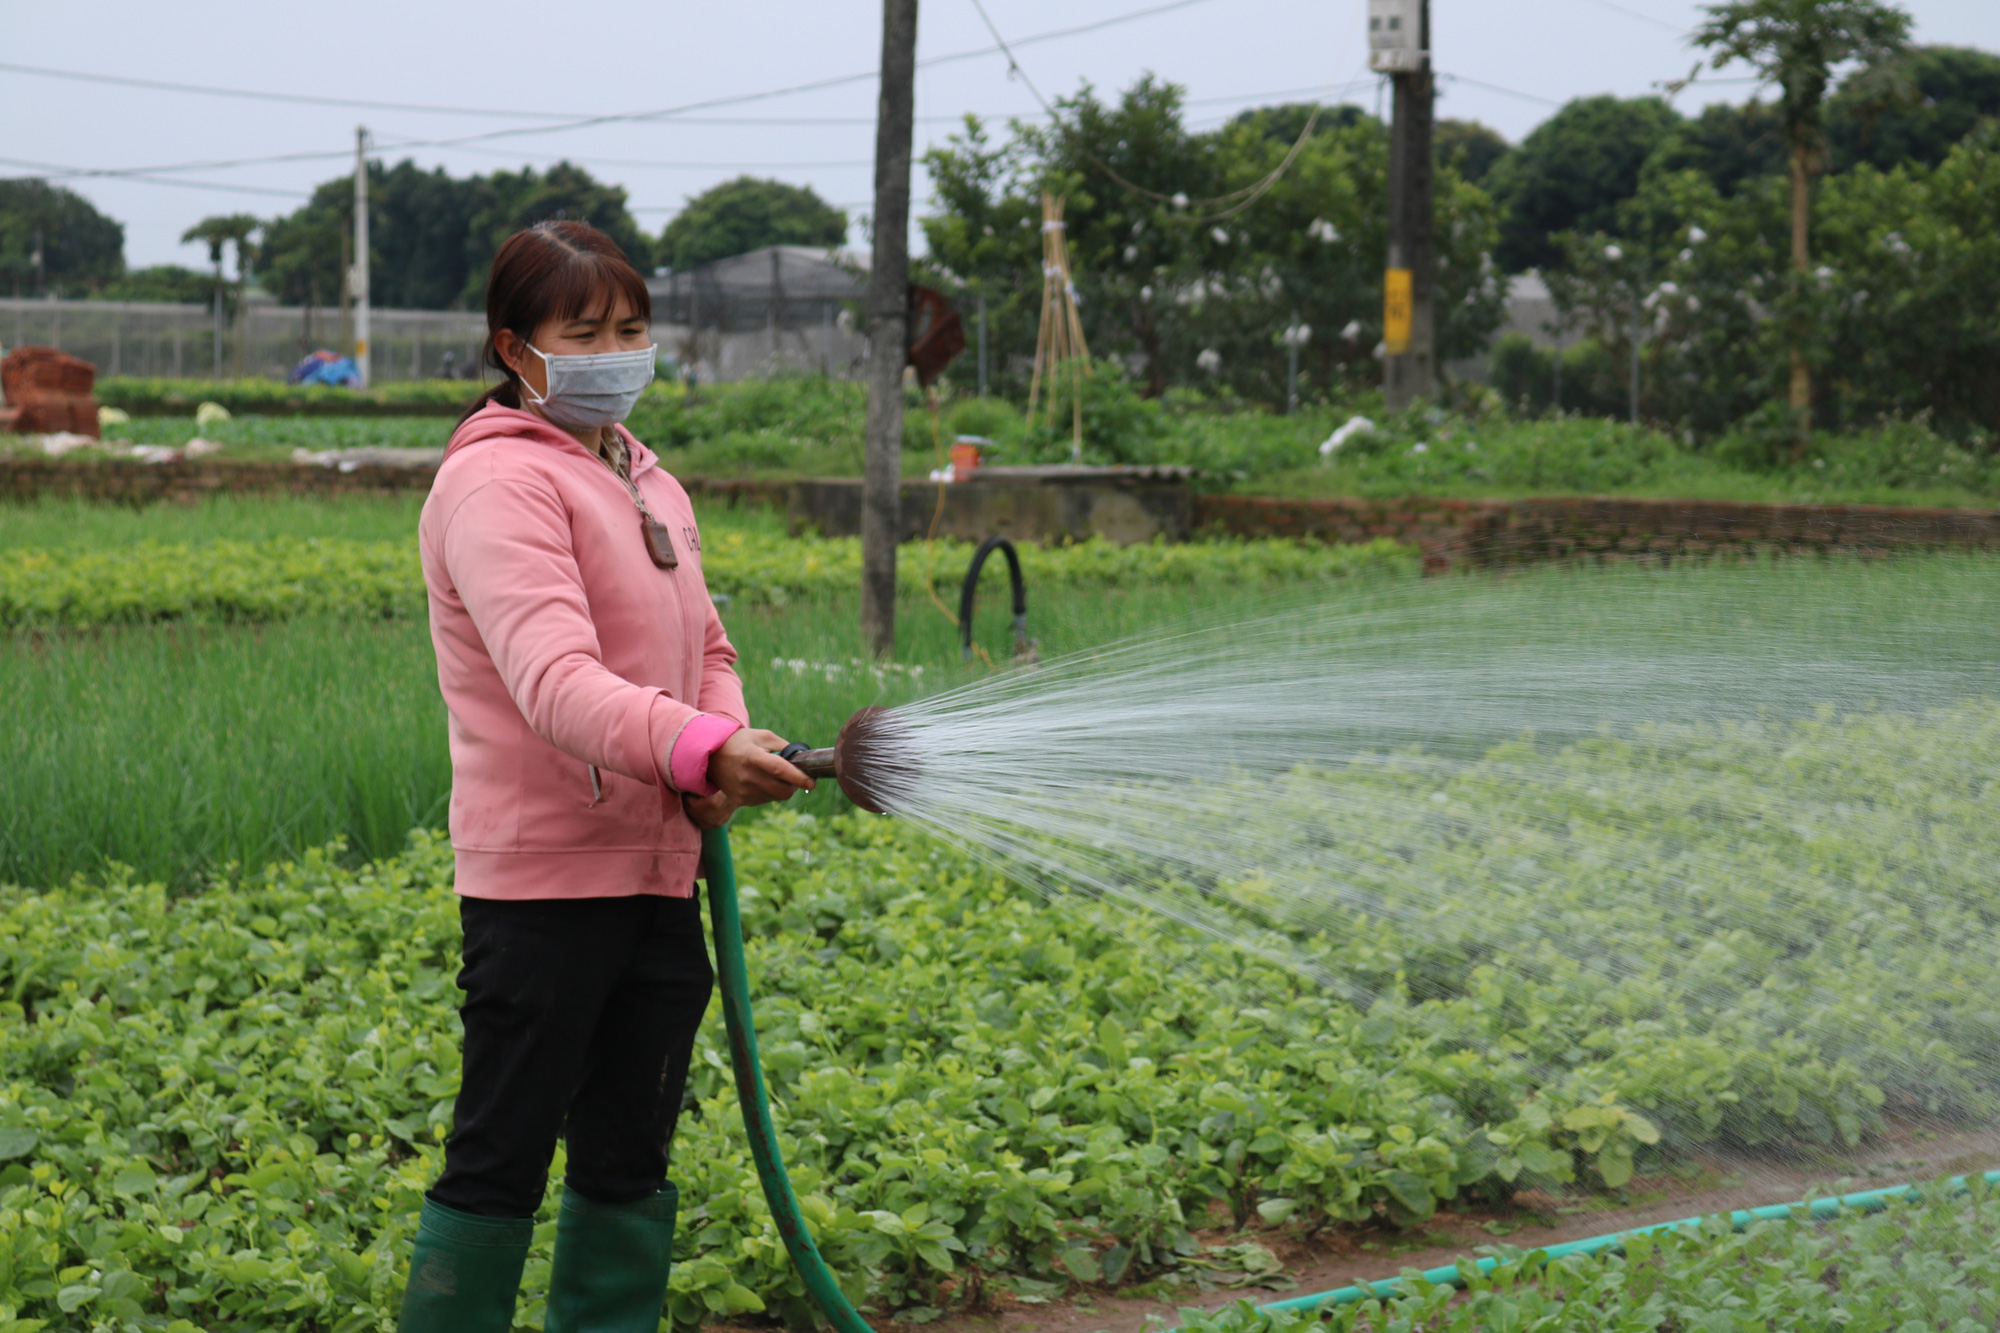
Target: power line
(407,141)
(1643,18)
(1237,199)
(55,170)
(260,95)
(591,159)
(1496,88)
(816,85)
(563,122)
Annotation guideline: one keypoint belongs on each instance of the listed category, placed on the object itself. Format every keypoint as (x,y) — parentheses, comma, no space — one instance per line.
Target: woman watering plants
(597,724)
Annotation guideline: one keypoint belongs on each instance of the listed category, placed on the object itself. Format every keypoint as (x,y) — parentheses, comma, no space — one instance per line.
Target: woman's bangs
(589,286)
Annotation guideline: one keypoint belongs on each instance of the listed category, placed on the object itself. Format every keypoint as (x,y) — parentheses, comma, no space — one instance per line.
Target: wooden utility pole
(888,327)
(1399,34)
(358,282)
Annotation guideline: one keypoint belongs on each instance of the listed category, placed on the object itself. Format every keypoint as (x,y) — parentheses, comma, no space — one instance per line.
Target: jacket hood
(495,422)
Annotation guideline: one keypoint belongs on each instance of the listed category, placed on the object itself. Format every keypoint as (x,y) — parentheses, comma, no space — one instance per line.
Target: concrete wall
(1121,508)
(1494,532)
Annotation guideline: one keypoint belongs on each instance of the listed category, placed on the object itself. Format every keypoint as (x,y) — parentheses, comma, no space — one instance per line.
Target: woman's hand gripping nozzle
(874,759)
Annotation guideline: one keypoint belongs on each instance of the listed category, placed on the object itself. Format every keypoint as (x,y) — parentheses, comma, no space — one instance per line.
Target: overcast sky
(1506,65)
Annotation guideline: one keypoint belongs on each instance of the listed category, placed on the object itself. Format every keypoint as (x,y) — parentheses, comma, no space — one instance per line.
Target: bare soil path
(1339,1258)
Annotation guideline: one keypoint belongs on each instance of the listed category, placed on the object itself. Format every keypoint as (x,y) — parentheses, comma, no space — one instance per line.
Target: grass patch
(179,749)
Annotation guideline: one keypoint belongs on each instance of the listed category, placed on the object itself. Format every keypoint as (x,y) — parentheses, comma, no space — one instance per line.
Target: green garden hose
(726,922)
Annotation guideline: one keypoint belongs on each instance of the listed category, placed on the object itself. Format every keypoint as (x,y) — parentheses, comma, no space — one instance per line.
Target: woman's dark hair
(553,270)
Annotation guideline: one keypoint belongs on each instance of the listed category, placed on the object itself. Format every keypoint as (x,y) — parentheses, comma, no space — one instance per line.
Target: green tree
(508,201)
(1797,44)
(431,236)
(232,229)
(1924,103)
(1729,143)
(78,246)
(1470,147)
(1185,243)
(748,214)
(299,261)
(1571,173)
(419,223)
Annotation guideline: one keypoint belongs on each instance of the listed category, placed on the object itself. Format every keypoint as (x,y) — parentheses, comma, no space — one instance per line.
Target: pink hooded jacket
(586,685)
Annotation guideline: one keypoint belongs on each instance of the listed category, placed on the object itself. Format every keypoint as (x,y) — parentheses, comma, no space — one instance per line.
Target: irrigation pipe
(725,921)
(1867,1201)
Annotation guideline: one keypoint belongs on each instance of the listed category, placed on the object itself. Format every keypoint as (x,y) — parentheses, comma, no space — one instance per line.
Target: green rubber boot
(464,1272)
(611,1265)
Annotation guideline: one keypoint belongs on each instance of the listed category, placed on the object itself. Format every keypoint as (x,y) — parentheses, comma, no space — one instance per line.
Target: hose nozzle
(857,759)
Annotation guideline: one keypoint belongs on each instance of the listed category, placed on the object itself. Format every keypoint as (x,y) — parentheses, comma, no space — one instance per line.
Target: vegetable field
(227,1064)
(279,578)
(223,1108)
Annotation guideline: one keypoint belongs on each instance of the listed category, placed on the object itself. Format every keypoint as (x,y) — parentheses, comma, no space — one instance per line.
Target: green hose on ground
(726,922)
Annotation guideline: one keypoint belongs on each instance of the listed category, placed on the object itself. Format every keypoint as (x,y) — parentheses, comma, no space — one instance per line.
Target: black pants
(580,1015)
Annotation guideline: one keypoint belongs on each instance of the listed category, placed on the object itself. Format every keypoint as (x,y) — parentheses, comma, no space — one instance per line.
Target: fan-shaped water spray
(1708,854)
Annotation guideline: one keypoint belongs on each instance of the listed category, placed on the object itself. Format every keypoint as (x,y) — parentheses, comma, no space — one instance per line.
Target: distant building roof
(790,272)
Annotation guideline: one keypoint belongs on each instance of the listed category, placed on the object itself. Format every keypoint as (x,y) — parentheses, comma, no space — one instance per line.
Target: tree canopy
(1929,99)
(1571,172)
(1470,147)
(431,235)
(80,247)
(748,214)
(1191,253)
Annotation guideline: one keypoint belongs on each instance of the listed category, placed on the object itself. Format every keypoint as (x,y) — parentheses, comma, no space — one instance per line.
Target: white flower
(1209,361)
(1352,331)
(1613,253)
(1180,200)
(1146,292)
(1342,434)
(1693,304)
(1696,235)
(1471,447)
(1131,254)
(1221,236)
(1420,448)
(1686,256)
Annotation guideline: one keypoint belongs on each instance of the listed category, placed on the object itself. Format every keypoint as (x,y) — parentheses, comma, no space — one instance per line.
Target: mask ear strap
(548,371)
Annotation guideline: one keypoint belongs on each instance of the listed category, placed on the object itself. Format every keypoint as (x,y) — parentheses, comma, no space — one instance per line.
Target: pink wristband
(694,747)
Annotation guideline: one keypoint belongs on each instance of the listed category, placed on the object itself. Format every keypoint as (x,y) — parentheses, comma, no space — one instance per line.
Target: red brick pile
(47,391)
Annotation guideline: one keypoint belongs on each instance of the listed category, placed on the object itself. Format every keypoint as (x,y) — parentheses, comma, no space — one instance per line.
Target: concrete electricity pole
(888,327)
(1399,39)
(358,279)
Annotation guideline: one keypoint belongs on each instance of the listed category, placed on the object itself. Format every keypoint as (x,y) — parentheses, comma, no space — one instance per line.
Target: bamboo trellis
(1059,347)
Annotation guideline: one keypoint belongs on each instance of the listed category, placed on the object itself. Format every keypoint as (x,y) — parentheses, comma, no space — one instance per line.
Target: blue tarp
(326,368)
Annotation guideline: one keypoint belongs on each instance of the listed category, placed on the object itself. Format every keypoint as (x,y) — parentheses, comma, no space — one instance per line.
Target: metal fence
(181,341)
(782,309)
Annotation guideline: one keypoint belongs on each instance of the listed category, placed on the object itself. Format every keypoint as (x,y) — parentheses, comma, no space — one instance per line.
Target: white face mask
(586,392)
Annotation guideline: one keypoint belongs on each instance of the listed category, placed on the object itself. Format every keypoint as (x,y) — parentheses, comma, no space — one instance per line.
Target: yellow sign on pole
(1396,312)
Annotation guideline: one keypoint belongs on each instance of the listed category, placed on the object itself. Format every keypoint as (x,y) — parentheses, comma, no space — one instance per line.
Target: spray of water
(1716,844)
